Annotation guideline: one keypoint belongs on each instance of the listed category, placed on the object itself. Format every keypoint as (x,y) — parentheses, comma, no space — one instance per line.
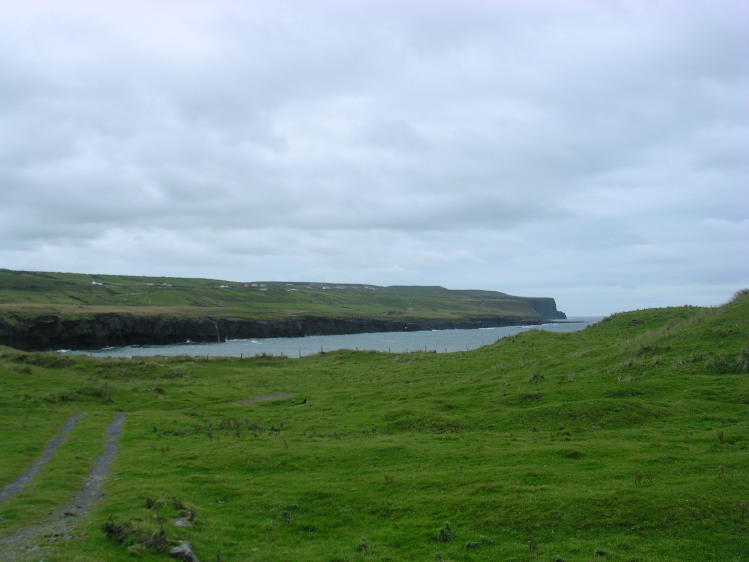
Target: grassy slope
(629,439)
(73,294)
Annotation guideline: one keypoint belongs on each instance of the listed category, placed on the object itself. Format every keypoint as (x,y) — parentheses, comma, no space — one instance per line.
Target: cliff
(105,330)
(45,310)
(546,307)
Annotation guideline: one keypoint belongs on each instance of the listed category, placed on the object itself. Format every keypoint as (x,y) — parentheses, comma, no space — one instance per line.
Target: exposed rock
(546,307)
(183,552)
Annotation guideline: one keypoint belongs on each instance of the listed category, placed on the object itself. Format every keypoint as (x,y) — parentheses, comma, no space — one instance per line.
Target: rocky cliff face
(546,307)
(103,330)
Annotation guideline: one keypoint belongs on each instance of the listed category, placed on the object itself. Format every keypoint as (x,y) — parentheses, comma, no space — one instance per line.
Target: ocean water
(441,341)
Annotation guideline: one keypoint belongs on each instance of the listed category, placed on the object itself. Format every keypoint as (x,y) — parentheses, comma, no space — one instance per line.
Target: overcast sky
(595,152)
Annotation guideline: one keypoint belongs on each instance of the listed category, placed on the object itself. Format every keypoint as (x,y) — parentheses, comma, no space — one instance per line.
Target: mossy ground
(626,441)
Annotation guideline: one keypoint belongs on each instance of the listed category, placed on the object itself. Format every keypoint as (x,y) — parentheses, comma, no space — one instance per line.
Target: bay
(441,341)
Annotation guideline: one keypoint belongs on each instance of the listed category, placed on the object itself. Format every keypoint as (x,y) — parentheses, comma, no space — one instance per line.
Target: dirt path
(17,485)
(25,543)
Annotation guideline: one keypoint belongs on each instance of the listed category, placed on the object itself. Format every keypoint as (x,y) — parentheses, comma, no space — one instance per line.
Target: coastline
(47,333)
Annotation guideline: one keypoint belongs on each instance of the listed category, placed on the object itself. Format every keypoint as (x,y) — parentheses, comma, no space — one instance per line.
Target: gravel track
(33,542)
(15,487)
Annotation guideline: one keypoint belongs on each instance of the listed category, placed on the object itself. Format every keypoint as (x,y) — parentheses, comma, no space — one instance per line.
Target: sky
(591,151)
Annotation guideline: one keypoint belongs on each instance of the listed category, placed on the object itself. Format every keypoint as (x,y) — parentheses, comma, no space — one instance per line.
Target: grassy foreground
(626,441)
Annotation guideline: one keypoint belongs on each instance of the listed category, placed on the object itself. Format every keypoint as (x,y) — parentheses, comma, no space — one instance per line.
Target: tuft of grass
(478,543)
(445,533)
(136,536)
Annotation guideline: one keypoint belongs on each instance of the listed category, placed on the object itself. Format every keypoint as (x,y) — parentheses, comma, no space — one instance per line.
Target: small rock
(183,552)
(182,522)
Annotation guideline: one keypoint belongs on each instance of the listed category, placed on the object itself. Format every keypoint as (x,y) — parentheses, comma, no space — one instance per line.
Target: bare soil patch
(15,487)
(32,543)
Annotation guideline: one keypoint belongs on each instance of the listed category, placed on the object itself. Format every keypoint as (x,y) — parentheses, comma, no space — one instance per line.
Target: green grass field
(30,293)
(626,441)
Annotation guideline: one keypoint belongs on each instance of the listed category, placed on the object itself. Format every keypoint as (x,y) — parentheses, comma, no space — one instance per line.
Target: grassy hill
(626,441)
(71,294)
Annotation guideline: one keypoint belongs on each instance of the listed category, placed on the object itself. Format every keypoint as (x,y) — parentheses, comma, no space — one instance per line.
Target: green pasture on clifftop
(71,295)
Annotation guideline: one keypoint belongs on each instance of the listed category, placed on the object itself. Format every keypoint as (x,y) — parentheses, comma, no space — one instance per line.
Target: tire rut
(24,543)
(15,487)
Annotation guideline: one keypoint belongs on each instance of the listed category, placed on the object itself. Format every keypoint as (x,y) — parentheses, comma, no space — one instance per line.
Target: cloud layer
(595,152)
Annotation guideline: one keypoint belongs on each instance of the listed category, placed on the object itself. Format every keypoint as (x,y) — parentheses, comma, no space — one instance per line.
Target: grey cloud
(381,142)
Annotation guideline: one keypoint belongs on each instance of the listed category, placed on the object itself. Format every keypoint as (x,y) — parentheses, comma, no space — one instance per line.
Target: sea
(440,341)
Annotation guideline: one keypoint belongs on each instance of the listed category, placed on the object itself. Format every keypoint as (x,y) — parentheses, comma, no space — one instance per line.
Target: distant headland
(45,310)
